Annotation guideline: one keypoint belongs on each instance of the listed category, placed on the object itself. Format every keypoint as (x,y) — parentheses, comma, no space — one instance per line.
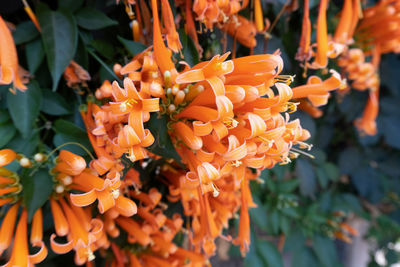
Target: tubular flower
(106,191)
(321,58)
(304,51)
(362,74)
(342,33)
(7,156)
(242,30)
(132,137)
(161,53)
(367,123)
(83,234)
(75,75)
(232,124)
(380,27)
(9,59)
(20,253)
(190,27)
(69,163)
(172,35)
(316,90)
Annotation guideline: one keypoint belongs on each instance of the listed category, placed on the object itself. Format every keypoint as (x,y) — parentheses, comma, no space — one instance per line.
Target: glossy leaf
(269,253)
(259,214)
(71,5)
(60,36)
(304,258)
(25,32)
(26,146)
(34,54)
(133,48)
(24,108)
(4,116)
(307,177)
(7,132)
(325,251)
(36,190)
(104,48)
(93,19)
(54,104)
(390,130)
(67,131)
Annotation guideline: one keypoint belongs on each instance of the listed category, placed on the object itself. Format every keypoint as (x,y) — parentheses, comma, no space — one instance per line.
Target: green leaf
(253,260)
(271,185)
(273,220)
(269,253)
(288,186)
(322,176)
(67,131)
(325,251)
(25,32)
(26,146)
(93,19)
(34,54)
(4,116)
(191,56)
(36,190)
(7,132)
(104,48)
(60,36)
(304,258)
(54,104)
(162,145)
(307,177)
(390,128)
(24,108)
(331,170)
(71,5)
(259,214)
(284,224)
(133,48)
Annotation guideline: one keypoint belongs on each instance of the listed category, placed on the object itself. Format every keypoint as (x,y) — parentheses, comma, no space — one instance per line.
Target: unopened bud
(25,162)
(39,157)
(59,189)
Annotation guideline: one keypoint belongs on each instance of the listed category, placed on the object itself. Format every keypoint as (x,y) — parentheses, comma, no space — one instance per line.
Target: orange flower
(105,90)
(316,90)
(37,228)
(367,123)
(74,74)
(190,27)
(304,53)
(82,235)
(172,35)
(7,227)
(6,156)
(106,191)
(69,163)
(258,16)
(60,222)
(20,253)
(242,30)
(342,33)
(31,15)
(161,53)
(8,59)
(321,59)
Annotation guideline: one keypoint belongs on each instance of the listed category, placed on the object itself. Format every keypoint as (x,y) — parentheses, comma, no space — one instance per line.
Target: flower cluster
(227,119)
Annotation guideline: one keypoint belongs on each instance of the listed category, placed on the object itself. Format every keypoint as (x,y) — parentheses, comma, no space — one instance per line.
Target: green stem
(104,65)
(57,148)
